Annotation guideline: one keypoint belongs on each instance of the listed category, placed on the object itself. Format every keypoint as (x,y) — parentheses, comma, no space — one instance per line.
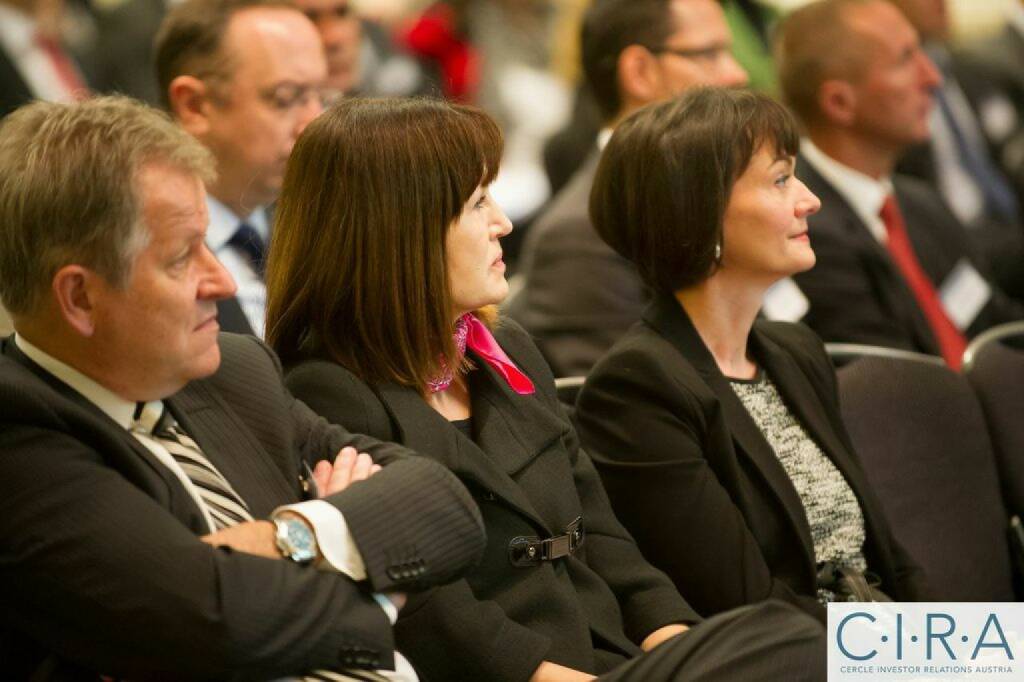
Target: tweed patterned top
(833,512)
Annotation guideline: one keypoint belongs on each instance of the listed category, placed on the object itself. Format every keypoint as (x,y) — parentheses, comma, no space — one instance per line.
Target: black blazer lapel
(808,405)
(142,468)
(667,316)
(229,444)
(420,428)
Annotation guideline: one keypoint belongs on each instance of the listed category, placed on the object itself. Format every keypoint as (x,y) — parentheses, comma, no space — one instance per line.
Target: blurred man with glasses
(578,295)
(244,77)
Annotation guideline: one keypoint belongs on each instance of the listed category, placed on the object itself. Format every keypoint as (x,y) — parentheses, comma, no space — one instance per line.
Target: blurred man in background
(244,77)
(578,295)
(894,267)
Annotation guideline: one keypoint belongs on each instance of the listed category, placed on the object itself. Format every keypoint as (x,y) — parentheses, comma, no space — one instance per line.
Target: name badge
(998,117)
(964,293)
(784,301)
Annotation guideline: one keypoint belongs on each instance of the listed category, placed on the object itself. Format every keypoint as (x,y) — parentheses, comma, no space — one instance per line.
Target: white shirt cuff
(339,550)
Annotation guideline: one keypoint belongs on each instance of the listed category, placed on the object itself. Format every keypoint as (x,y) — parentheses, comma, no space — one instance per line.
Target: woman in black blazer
(384,270)
(718,434)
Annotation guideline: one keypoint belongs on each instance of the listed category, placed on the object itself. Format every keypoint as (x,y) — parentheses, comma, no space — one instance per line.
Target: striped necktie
(225,505)
(227,508)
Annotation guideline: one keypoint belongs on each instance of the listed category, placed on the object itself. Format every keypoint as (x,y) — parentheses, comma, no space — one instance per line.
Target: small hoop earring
(718,251)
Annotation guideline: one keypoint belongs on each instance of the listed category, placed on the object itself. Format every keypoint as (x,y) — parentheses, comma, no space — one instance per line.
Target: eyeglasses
(703,54)
(342,11)
(289,96)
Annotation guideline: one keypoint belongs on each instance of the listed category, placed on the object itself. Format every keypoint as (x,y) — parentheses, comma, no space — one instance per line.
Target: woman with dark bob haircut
(383,276)
(718,434)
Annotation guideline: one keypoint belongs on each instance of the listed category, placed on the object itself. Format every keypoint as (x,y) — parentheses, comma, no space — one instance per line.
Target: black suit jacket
(578,295)
(692,477)
(101,568)
(856,292)
(530,478)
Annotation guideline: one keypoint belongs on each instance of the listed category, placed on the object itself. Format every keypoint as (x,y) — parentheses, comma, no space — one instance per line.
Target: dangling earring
(718,252)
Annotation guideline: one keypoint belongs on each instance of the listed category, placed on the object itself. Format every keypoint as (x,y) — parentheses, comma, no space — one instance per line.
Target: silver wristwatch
(295,539)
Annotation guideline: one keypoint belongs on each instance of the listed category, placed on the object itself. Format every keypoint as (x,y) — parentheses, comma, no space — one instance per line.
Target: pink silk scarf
(471,333)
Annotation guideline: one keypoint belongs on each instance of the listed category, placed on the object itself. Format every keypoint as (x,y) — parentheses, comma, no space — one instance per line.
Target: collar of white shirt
(111,404)
(224,223)
(864,194)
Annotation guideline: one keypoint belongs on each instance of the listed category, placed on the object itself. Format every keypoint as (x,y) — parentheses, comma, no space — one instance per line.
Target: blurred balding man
(244,77)
(895,267)
(578,295)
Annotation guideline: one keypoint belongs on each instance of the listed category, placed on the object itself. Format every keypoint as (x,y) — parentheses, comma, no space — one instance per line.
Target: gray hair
(68,191)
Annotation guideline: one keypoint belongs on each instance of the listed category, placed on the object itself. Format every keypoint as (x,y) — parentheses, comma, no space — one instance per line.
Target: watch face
(298,543)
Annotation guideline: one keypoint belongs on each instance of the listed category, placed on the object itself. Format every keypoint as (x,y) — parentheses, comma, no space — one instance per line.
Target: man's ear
(639,76)
(837,101)
(189,100)
(74,289)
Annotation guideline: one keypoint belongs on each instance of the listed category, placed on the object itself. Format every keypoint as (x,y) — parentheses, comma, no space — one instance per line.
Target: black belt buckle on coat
(530,550)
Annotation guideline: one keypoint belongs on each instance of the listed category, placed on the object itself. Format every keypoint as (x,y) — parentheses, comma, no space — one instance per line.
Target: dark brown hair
(191,36)
(664,180)
(357,271)
(609,27)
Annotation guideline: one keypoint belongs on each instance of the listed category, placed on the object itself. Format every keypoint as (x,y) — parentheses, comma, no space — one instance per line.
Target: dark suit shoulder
(644,357)
(795,337)
(804,346)
(339,396)
(569,209)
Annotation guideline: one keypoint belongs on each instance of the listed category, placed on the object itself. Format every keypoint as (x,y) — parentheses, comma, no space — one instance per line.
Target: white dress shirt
(252,291)
(863,193)
(18,40)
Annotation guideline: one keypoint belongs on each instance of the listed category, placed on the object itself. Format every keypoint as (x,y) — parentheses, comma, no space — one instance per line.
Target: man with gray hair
(141,449)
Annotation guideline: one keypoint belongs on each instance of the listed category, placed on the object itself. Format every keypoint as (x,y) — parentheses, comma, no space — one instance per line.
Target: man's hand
(661,634)
(349,466)
(251,537)
(552,672)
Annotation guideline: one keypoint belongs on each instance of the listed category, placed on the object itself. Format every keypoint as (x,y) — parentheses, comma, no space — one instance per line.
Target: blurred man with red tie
(34,62)
(895,266)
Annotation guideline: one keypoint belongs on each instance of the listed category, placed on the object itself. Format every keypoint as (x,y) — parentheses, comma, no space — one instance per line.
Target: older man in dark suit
(579,296)
(140,449)
(895,267)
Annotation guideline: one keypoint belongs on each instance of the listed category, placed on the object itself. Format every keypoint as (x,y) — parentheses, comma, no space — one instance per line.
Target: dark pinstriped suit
(100,567)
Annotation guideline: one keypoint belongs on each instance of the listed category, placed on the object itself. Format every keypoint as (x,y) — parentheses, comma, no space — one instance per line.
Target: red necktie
(951,342)
(66,70)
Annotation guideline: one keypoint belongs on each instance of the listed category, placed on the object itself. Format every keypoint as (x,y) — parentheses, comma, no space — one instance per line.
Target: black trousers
(768,641)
